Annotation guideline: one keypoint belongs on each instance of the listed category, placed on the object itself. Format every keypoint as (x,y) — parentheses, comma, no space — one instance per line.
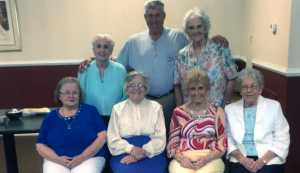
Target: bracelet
(210,158)
(227,102)
(264,161)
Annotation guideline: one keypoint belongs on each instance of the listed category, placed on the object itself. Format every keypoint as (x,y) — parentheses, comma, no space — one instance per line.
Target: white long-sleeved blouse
(128,119)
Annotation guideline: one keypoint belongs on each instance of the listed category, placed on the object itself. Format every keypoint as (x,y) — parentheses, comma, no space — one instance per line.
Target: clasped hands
(71,162)
(136,154)
(251,165)
(193,164)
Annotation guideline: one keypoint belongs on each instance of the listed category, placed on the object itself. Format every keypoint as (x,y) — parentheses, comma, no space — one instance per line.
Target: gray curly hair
(196,13)
(250,72)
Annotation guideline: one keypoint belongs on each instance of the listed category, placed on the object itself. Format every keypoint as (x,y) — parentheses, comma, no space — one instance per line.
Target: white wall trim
(39,63)
(61,62)
(289,72)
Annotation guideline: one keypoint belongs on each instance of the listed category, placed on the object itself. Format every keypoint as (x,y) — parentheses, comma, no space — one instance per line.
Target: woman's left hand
(128,159)
(77,160)
(200,162)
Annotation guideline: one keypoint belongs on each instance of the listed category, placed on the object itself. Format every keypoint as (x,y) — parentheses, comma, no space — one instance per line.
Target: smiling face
(102,49)
(250,91)
(155,20)
(197,93)
(136,94)
(196,29)
(69,94)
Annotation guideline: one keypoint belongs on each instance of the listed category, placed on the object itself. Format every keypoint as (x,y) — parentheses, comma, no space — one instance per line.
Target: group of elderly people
(253,130)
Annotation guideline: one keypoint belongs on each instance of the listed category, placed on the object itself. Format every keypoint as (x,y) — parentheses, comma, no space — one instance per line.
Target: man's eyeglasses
(133,85)
(252,87)
(68,94)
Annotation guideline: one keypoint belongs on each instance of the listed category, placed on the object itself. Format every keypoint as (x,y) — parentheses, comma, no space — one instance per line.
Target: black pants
(106,120)
(107,168)
(239,168)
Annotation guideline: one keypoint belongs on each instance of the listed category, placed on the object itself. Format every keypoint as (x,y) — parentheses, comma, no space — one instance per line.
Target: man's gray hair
(250,72)
(108,38)
(131,75)
(196,13)
(154,5)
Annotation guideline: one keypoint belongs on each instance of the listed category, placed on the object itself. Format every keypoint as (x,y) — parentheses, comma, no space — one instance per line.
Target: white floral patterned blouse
(214,60)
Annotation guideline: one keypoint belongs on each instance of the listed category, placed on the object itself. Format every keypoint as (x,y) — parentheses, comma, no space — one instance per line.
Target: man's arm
(87,63)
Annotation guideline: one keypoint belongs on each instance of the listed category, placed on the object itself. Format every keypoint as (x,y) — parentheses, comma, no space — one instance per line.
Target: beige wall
(63,30)
(294,44)
(264,46)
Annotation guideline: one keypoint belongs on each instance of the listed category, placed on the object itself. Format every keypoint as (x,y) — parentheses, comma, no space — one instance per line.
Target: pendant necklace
(73,118)
(102,79)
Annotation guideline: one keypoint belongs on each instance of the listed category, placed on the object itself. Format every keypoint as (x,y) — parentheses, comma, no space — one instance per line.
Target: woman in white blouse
(136,131)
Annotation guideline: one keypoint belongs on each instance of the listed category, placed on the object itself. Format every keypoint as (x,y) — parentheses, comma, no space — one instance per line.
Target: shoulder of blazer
(232,106)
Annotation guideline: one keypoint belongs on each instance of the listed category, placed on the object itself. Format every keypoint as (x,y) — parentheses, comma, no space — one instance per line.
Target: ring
(129,159)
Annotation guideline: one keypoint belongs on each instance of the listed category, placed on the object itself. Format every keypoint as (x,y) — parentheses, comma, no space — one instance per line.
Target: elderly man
(153,52)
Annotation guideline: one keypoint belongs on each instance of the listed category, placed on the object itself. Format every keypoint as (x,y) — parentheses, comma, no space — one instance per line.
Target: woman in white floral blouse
(207,56)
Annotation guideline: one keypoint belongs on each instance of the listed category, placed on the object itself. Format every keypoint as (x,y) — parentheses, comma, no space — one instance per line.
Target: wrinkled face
(196,29)
(197,92)
(250,91)
(137,93)
(155,20)
(102,49)
(69,94)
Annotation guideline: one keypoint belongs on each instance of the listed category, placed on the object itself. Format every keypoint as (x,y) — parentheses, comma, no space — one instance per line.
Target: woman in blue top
(103,82)
(71,138)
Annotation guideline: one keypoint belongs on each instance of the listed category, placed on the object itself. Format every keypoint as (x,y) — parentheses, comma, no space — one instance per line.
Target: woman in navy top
(72,137)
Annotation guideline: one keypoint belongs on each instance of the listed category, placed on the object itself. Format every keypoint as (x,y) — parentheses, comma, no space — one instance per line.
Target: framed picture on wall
(9,27)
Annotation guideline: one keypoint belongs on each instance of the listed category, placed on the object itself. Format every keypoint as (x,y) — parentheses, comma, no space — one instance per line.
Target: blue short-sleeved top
(87,124)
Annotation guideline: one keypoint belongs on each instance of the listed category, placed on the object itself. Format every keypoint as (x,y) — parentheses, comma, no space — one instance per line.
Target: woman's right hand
(86,62)
(184,161)
(64,160)
(138,153)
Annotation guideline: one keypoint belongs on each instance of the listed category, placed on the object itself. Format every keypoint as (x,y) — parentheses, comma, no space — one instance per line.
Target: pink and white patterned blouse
(191,133)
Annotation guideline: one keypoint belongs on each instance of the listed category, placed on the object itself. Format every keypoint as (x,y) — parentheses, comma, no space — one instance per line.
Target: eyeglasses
(68,94)
(252,87)
(133,85)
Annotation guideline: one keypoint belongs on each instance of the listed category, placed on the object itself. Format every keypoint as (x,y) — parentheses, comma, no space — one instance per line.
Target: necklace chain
(65,118)
(203,113)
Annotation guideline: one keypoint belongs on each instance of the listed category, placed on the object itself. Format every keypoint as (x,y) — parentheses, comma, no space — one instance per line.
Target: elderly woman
(136,131)
(258,133)
(103,82)
(197,134)
(207,56)
(71,137)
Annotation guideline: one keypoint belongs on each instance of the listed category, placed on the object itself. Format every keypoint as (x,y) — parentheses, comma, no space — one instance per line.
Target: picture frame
(9,26)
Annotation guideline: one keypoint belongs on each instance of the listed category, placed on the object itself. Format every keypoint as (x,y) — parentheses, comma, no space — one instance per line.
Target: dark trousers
(239,168)
(168,104)
(107,168)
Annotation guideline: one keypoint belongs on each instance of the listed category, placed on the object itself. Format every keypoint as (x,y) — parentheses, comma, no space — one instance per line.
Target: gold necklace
(204,113)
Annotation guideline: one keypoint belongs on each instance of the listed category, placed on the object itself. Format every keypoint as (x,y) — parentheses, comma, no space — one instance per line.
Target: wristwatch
(264,161)
(210,158)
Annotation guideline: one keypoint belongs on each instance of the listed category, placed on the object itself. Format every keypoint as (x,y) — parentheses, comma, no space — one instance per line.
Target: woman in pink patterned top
(202,53)
(197,134)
